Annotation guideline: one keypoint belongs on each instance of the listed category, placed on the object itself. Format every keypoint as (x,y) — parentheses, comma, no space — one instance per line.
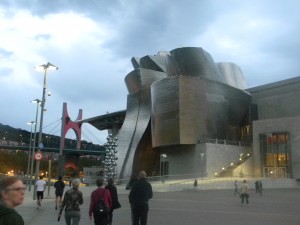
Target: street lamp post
(163,167)
(44,68)
(37,101)
(31,148)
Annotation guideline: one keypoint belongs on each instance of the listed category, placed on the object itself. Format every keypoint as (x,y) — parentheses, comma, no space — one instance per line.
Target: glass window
(275,152)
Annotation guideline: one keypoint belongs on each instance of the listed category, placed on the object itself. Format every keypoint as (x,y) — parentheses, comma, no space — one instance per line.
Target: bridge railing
(54,150)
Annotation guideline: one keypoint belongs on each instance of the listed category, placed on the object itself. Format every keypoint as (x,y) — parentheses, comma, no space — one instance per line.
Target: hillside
(16,136)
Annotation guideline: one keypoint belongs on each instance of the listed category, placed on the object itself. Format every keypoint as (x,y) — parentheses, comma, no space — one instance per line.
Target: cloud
(93,41)
(158,25)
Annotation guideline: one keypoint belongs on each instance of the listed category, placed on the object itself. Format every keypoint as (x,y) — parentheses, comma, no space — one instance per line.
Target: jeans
(72,215)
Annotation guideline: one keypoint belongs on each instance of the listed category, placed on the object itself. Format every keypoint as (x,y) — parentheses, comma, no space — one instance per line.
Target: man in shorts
(40,188)
(59,190)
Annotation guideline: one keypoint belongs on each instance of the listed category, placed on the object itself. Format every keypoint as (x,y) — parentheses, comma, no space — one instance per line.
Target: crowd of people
(12,193)
(243,192)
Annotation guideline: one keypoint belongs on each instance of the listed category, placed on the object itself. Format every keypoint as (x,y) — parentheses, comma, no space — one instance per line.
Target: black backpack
(101,208)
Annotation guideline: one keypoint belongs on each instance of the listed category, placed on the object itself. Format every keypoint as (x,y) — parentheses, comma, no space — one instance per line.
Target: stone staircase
(227,169)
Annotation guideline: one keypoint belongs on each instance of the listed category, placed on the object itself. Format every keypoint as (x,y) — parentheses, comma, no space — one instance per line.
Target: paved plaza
(205,207)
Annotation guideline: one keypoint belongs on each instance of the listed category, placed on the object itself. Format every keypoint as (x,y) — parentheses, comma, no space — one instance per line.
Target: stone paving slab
(205,207)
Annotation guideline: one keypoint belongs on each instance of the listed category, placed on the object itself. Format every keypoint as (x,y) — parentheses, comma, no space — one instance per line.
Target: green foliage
(18,160)
(13,160)
(22,137)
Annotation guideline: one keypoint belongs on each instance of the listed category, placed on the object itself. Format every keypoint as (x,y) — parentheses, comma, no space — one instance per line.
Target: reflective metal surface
(176,98)
(232,74)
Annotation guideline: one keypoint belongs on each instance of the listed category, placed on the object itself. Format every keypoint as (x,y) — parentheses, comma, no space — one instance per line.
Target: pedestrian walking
(260,187)
(12,193)
(139,196)
(195,184)
(256,186)
(72,200)
(133,179)
(236,188)
(100,194)
(40,188)
(59,186)
(244,192)
(114,198)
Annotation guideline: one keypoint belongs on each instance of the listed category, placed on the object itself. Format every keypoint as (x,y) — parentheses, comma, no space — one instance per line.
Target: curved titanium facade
(194,62)
(232,74)
(187,109)
(177,98)
(141,78)
(133,134)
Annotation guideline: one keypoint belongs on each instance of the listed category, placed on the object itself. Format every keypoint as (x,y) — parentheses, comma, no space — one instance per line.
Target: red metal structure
(72,160)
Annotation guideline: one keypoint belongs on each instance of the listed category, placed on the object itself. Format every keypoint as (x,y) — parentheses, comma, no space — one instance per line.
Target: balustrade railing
(224,142)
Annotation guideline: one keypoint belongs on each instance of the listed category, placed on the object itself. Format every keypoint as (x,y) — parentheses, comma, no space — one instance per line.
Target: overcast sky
(93,41)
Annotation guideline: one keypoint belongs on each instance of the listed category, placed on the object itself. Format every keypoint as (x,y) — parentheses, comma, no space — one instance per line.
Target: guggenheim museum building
(189,116)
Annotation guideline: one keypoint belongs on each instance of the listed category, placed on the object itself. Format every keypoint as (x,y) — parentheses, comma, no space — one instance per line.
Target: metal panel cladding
(141,78)
(186,109)
(232,74)
(193,62)
(195,101)
(187,97)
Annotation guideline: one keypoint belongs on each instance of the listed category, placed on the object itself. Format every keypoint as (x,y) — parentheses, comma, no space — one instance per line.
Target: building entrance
(275,172)
(275,154)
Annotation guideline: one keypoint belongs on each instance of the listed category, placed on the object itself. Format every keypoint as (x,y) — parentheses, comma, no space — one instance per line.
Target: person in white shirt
(244,192)
(40,188)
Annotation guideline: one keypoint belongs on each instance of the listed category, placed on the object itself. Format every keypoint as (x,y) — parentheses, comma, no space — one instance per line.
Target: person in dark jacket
(72,199)
(114,198)
(12,193)
(59,186)
(139,196)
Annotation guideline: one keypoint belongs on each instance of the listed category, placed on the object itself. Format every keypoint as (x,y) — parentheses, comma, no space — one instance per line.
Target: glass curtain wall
(275,154)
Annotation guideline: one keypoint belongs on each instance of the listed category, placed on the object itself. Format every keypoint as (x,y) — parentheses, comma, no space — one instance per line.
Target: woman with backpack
(101,204)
